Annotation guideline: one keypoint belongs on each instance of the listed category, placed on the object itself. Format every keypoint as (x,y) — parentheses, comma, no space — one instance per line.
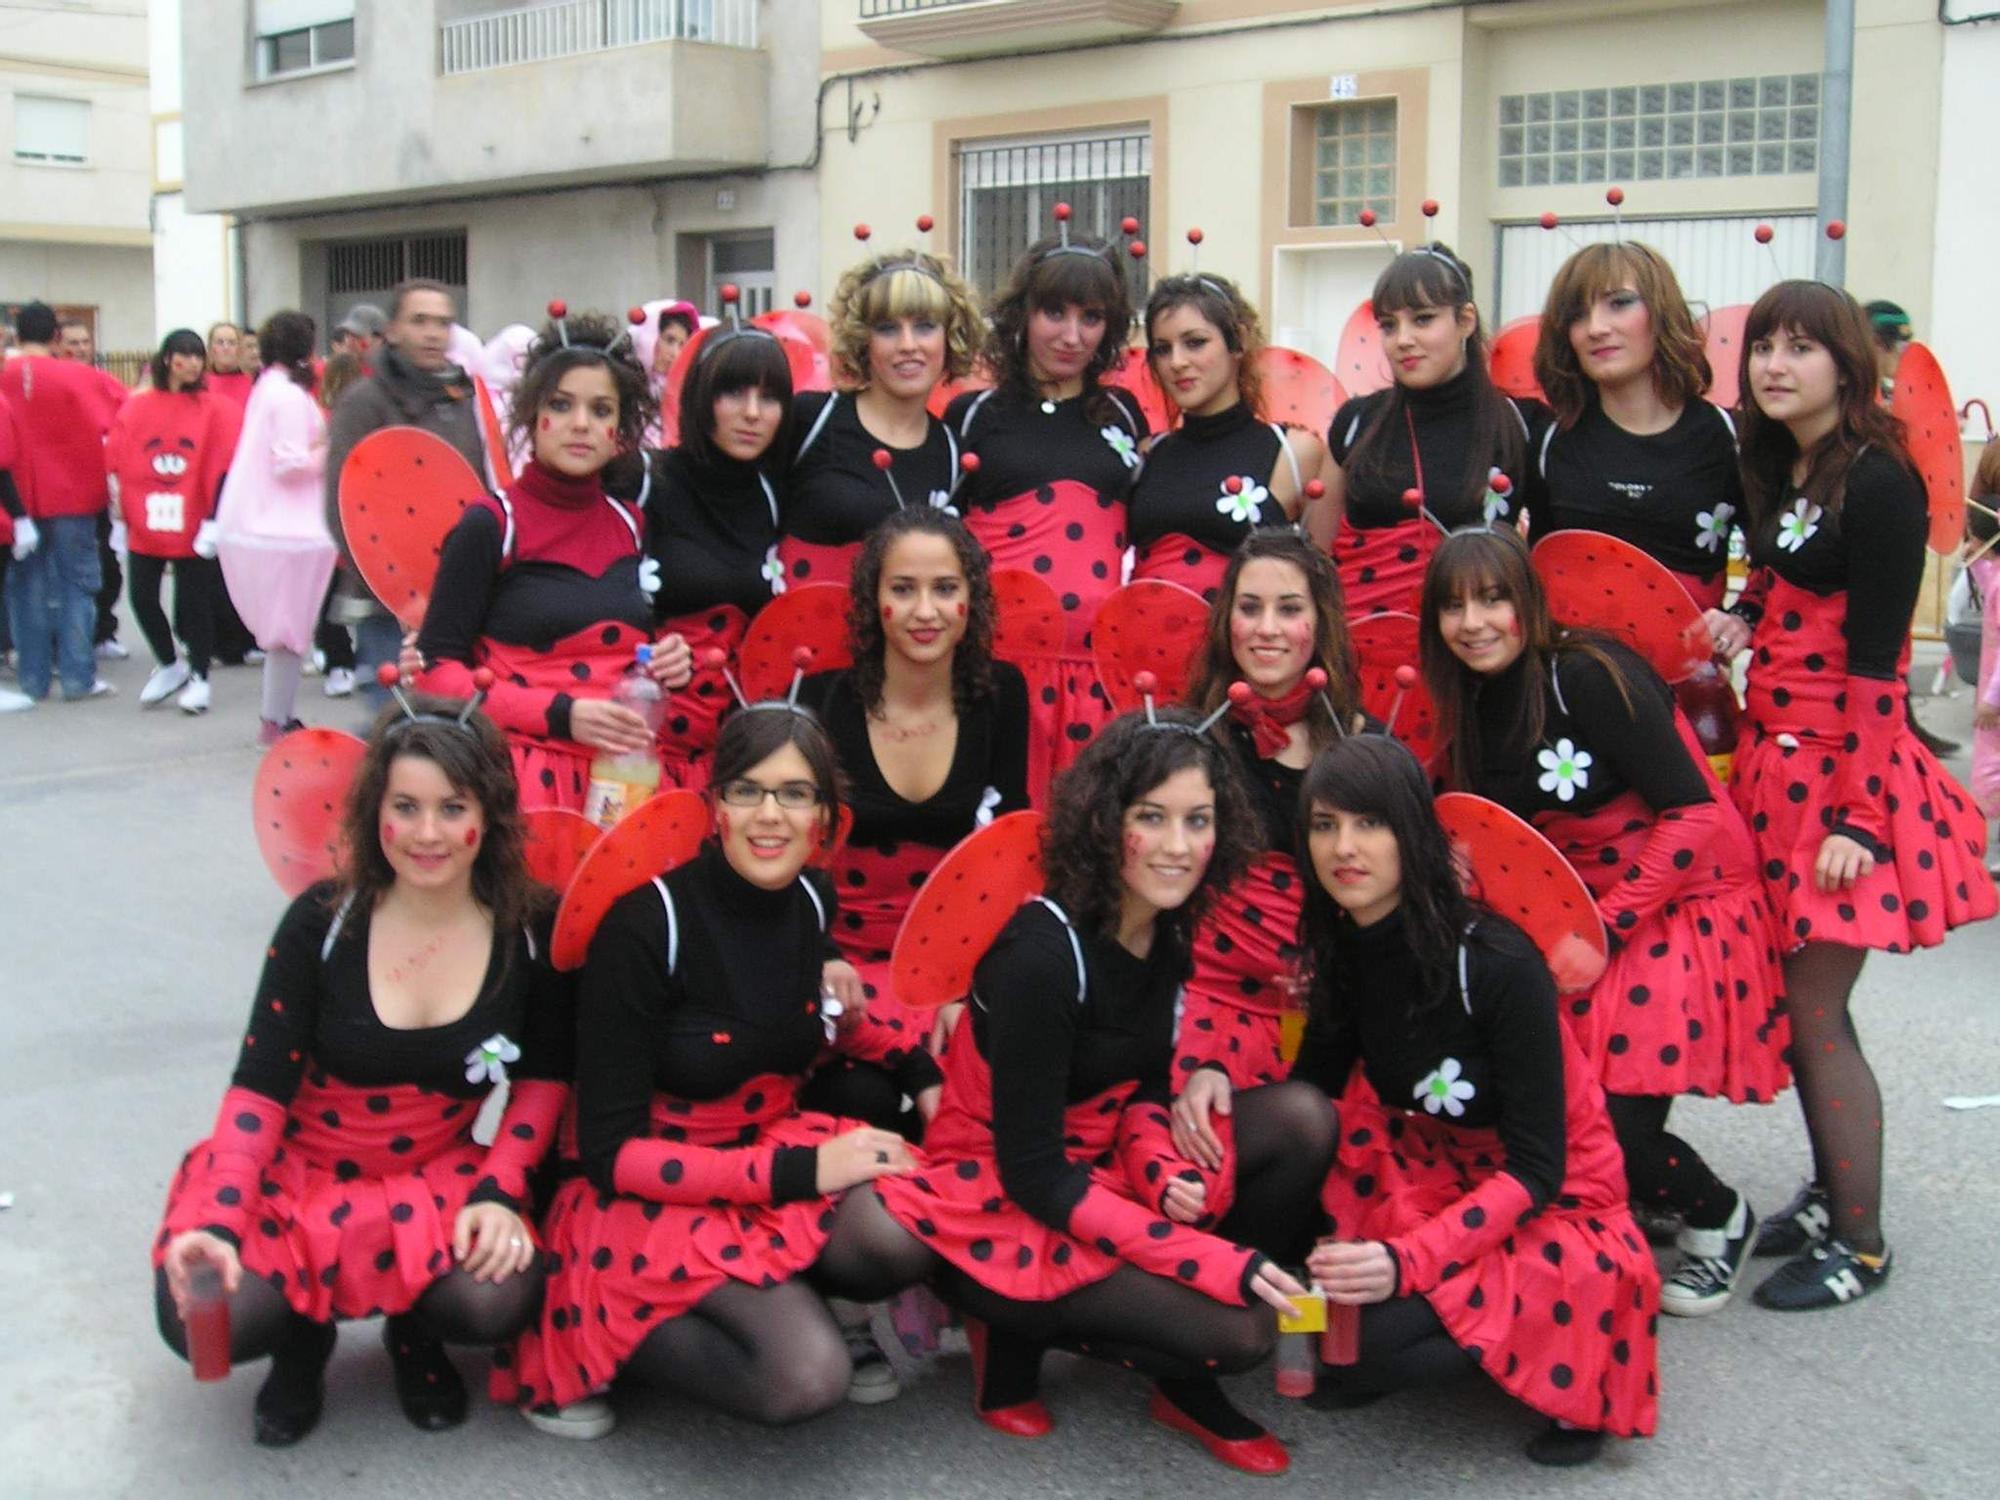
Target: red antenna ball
(1502,485)
(1315,490)
(969,463)
(881,458)
(1367,218)
(1614,196)
(1195,236)
(1233,484)
(714,659)
(387,674)
(1145,683)
(1138,249)
(802,298)
(1836,229)
(730,293)
(862,231)
(1062,213)
(482,679)
(1406,676)
(1549,220)
(1765,234)
(558,309)
(925,223)
(1413,499)
(1430,208)
(802,657)
(1316,679)
(1128,225)
(1239,692)
(635,315)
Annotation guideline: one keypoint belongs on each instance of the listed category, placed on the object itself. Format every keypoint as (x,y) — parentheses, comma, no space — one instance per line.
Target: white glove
(207,537)
(118,537)
(27,537)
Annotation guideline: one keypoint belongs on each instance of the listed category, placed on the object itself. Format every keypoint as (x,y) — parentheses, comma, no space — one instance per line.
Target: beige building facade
(1272,125)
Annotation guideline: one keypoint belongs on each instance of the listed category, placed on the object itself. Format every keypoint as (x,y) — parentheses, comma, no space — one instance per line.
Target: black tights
(196,583)
(454,1308)
(1284,1145)
(1403,1346)
(1837,1088)
(771,1354)
(1662,1169)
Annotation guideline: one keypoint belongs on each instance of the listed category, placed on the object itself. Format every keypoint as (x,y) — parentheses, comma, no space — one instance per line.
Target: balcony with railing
(972,28)
(573,28)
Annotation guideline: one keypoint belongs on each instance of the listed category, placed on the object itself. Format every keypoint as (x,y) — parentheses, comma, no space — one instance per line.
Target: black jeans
(196,583)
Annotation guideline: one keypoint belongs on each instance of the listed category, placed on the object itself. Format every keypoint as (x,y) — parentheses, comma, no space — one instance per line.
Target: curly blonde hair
(903,284)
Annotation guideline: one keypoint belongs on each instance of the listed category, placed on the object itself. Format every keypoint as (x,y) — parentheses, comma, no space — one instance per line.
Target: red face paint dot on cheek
(888,613)
(388,834)
(472,838)
(546,424)
(961,610)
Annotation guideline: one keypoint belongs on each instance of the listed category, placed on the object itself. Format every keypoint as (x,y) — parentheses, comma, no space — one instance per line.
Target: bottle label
(1722,765)
(607,801)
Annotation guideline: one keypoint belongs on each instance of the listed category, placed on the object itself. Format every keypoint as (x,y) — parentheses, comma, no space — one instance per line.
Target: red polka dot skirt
(1245,959)
(812,562)
(1382,567)
(1175,558)
(588,664)
(694,714)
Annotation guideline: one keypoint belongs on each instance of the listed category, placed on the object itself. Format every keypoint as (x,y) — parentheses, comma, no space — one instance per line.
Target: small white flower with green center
(1565,769)
(487,1063)
(1443,1091)
(941,500)
(1711,527)
(1242,507)
(1496,504)
(1798,525)
(1121,444)
(773,570)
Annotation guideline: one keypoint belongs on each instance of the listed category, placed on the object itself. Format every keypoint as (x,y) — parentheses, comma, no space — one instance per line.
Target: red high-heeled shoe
(1263,1456)
(1024,1419)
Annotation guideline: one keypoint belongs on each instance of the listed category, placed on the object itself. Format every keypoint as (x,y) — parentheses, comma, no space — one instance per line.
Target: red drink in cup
(1341,1343)
(206,1319)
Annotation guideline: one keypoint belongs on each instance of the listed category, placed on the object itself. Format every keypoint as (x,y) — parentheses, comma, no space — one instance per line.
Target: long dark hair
(972,661)
(1225,309)
(1084,849)
(751,736)
(180,341)
(1049,277)
(723,365)
(1215,669)
(1680,359)
(475,760)
(1832,319)
(1375,775)
(595,342)
(286,339)
(1466,563)
(1433,276)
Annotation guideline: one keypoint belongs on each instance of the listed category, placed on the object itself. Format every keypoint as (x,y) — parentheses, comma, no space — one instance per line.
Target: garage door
(1718,260)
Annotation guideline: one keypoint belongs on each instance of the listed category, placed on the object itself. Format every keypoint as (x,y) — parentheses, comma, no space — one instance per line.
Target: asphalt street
(134,911)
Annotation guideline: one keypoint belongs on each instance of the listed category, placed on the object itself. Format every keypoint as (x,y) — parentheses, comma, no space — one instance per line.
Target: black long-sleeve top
(1872,548)
(709,530)
(1180,488)
(740,998)
(1049,1046)
(1442,417)
(1675,495)
(1501,1030)
(836,495)
(989,765)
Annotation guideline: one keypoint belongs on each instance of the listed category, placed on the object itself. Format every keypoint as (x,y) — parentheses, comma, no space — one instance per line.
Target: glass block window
(1355,163)
(1716,127)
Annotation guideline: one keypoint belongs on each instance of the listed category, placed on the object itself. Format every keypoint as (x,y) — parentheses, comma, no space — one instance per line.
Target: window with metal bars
(373,265)
(1008,191)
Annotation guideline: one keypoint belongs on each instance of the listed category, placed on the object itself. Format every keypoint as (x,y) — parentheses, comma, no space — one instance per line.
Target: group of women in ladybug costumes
(1107,1147)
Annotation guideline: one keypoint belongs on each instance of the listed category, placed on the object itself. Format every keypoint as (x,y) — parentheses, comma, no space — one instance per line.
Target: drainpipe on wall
(1836,123)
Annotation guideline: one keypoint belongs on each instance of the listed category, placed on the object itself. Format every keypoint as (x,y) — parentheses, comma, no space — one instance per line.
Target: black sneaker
(1825,1274)
(1713,1260)
(1661,1226)
(1804,1221)
(1561,1446)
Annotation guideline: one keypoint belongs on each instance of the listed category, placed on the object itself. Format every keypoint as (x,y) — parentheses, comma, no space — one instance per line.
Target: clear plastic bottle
(619,783)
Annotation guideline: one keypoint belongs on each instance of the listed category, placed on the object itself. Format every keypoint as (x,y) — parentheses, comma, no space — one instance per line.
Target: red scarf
(1268,719)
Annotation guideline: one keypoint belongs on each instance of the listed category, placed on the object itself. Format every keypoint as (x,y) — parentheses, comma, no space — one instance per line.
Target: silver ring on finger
(518,1242)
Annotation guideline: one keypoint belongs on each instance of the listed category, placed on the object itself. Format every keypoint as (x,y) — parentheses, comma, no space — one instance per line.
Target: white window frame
(26,157)
(316,34)
(1070,164)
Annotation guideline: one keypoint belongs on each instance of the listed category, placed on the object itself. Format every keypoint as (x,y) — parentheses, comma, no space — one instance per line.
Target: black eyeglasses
(793,796)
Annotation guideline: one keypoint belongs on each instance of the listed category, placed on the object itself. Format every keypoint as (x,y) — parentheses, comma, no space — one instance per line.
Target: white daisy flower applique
(1565,769)
(1798,525)
(1711,527)
(1499,489)
(487,1063)
(649,576)
(941,500)
(989,803)
(773,570)
(1242,504)
(1121,444)
(1443,1090)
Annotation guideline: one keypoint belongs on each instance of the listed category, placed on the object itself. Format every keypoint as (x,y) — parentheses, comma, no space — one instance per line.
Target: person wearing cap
(360,333)
(412,383)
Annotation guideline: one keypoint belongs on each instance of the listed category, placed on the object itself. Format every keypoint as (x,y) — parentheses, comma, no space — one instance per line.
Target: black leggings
(1284,1144)
(1403,1346)
(454,1308)
(770,1354)
(196,582)
(1661,1169)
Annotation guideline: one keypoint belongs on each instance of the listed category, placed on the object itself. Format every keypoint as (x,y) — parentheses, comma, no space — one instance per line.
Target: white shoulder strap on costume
(965,427)
(1075,948)
(645,486)
(673,925)
(528,933)
(770,496)
(951,444)
(1353,432)
(1131,421)
(506,527)
(1515,407)
(819,425)
(630,524)
(333,929)
(1555,681)
(1284,447)
(1464,976)
(819,906)
(1727,420)
(1542,460)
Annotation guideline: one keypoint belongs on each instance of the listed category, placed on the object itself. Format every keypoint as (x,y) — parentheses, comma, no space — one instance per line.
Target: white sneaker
(592,1417)
(164,683)
(1712,1263)
(98,689)
(253,657)
(873,1379)
(339,683)
(111,651)
(194,699)
(12,702)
